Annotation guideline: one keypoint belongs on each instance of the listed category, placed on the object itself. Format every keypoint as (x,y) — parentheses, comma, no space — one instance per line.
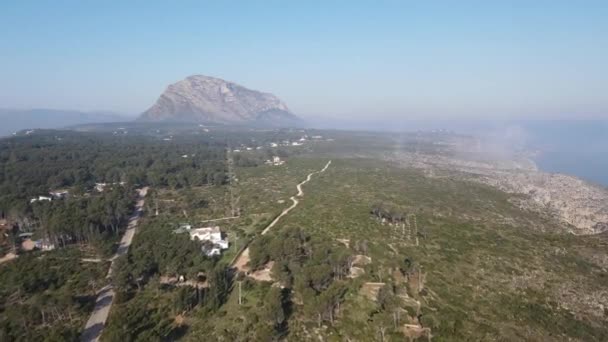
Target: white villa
(211,234)
(276,161)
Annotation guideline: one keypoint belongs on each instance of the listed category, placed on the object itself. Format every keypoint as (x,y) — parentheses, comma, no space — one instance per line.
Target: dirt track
(243,259)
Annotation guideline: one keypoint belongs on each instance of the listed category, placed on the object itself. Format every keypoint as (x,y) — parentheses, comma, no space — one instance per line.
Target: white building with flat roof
(211,234)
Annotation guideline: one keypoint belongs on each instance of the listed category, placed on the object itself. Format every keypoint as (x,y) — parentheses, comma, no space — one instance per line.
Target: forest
(313,267)
(74,162)
(145,303)
(48,160)
(47,297)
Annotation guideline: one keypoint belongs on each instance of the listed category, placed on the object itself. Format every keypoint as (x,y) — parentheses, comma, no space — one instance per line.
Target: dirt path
(220,219)
(96,260)
(243,259)
(8,257)
(105,296)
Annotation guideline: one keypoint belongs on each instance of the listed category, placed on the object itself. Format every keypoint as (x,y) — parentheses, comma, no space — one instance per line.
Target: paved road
(242,260)
(105,296)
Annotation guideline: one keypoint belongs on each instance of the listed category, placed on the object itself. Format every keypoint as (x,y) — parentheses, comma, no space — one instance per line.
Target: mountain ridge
(14,120)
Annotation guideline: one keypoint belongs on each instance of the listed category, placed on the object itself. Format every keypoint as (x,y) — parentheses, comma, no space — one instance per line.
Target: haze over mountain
(17,119)
(207,99)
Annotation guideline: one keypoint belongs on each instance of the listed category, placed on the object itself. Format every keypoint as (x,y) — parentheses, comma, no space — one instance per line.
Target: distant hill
(207,99)
(13,120)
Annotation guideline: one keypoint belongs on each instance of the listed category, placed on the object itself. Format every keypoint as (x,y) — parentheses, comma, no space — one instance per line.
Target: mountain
(17,119)
(207,99)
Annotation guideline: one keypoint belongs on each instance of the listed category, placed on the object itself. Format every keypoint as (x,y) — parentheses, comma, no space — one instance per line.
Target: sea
(577,147)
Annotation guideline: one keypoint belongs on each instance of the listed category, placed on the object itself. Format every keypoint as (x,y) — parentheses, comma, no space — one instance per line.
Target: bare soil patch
(264,273)
(370,290)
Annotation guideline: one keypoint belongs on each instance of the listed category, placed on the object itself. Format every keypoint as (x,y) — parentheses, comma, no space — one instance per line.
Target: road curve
(243,258)
(105,296)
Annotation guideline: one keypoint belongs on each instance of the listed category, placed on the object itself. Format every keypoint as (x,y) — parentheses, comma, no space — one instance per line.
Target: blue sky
(342,59)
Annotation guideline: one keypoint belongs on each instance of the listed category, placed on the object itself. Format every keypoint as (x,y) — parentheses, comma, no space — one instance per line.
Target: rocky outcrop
(581,205)
(212,100)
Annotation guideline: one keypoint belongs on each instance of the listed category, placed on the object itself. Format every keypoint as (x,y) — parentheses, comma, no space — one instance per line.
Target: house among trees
(44,245)
(59,194)
(28,244)
(40,198)
(100,186)
(276,161)
(213,243)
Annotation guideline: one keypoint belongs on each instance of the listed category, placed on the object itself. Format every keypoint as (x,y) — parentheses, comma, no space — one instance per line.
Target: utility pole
(416,231)
(409,228)
(156,202)
(415,228)
(240,293)
(420,280)
(229,166)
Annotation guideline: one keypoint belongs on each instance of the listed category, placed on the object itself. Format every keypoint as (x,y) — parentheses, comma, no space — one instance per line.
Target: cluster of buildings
(283,143)
(62,194)
(245,148)
(213,243)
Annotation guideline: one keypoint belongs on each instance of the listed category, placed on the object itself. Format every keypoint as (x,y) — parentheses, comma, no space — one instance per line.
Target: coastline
(593,170)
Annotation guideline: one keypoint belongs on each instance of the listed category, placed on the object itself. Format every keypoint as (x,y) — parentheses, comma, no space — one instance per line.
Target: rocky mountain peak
(200,98)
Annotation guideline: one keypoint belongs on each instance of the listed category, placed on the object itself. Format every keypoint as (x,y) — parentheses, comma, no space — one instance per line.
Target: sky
(327,59)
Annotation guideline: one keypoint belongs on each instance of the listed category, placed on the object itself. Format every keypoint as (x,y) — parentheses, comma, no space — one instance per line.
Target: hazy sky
(415,59)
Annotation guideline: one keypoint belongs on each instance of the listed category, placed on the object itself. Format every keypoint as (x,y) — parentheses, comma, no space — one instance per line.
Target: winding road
(241,261)
(105,296)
